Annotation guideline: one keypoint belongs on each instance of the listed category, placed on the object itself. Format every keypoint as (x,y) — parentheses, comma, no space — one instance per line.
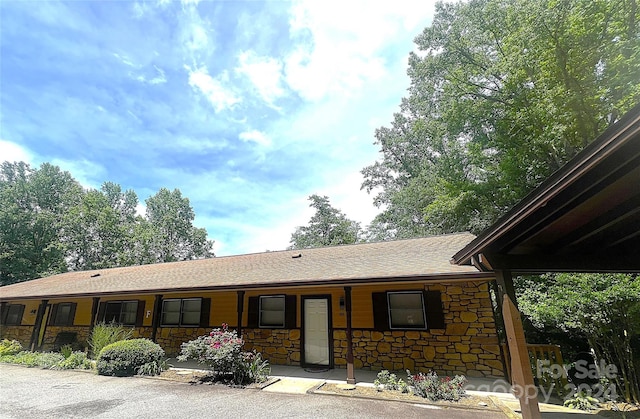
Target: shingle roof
(370,262)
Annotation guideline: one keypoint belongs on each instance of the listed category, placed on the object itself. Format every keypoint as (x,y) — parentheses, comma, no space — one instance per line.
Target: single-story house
(390,305)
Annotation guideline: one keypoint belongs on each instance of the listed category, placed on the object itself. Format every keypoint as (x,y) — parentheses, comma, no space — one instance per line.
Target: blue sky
(247,107)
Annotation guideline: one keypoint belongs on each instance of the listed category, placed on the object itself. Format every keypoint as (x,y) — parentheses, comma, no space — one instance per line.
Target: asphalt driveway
(36,393)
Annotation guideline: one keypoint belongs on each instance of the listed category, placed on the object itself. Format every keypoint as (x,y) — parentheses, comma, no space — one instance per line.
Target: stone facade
(420,351)
(171,338)
(20,333)
(279,346)
(82,337)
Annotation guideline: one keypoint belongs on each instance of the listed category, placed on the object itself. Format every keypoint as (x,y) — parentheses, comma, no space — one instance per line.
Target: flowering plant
(432,387)
(221,350)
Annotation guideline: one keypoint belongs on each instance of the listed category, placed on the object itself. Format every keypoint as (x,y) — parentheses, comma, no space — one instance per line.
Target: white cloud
(13,152)
(340,52)
(220,96)
(265,73)
(89,173)
(256,137)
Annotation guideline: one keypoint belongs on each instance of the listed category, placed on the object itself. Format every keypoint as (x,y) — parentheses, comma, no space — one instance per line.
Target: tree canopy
(502,94)
(603,308)
(327,227)
(50,224)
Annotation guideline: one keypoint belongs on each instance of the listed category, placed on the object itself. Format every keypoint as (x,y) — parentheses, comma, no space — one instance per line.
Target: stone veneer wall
(469,345)
(279,346)
(52,332)
(171,338)
(20,333)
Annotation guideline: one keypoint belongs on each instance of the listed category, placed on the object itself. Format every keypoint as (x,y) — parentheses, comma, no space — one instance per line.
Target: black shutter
(253,311)
(290,311)
(205,309)
(140,314)
(380,311)
(101,308)
(433,308)
(54,313)
(72,314)
(4,309)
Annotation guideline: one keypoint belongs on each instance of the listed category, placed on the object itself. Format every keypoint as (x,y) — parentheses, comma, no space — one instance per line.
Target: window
(406,310)
(12,314)
(182,312)
(411,309)
(122,312)
(272,311)
(63,314)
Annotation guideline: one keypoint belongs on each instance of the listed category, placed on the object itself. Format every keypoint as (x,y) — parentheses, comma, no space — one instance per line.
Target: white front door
(316,331)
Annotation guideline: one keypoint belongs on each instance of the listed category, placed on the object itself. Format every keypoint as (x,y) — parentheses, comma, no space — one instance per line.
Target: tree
(99,232)
(32,205)
(501,95)
(170,219)
(327,227)
(604,308)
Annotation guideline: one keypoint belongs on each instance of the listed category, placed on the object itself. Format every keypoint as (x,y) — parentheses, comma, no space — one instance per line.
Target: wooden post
(240,306)
(157,313)
(34,344)
(351,376)
(521,375)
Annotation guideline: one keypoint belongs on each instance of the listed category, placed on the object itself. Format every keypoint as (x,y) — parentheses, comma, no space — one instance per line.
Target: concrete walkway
(298,380)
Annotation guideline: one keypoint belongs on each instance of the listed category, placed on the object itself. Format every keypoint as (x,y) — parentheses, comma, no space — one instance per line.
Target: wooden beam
(240,309)
(157,313)
(34,344)
(351,376)
(521,375)
(625,262)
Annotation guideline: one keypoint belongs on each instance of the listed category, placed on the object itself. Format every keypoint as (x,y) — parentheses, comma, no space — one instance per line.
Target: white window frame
(417,325)
(267,311)
(121,313)
(181,313)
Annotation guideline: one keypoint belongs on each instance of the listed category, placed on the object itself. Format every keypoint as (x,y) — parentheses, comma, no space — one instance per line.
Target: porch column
(521,375)
(240,306)
(157,313)
(37,325)
(351,377)
(94,312)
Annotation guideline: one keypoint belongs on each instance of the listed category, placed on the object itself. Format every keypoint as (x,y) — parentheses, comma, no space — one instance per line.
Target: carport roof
(584,218)
(402,260)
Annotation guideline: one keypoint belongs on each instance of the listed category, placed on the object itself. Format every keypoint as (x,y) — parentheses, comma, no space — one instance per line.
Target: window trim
(181,323)
(284,311)
(121,302)
(424,326)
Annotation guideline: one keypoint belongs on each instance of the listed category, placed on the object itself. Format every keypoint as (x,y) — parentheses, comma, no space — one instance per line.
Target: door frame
(327,297)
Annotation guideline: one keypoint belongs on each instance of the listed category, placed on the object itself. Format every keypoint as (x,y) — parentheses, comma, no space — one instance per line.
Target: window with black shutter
(406,310)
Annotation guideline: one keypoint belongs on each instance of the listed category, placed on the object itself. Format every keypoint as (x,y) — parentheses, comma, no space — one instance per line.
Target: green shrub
(66,351)
(75,360)
(582,401)
(432,387)
(104,334)
(221,350)
(34,359)
(127,357)
(10,347)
